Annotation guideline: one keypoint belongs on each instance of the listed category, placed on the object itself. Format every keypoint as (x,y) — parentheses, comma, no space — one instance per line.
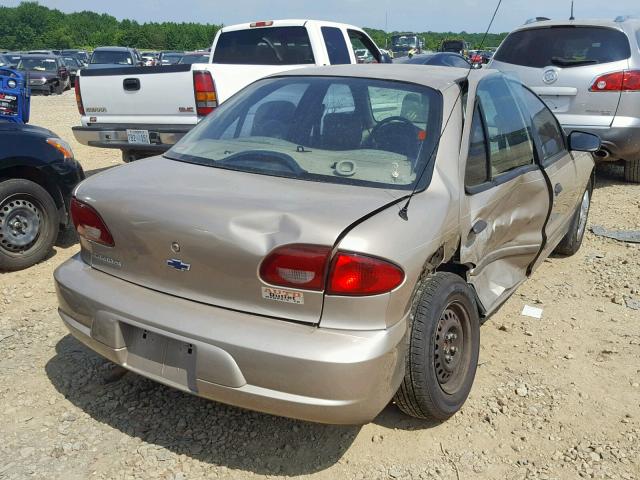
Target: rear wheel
(632,171)
(28,224)
(571,242)
(442,351)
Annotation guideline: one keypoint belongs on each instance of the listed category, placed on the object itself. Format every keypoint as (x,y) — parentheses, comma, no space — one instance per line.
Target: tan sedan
(328,240)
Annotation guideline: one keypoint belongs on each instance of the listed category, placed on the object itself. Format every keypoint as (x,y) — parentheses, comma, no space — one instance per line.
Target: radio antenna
(572,17)
(404,210)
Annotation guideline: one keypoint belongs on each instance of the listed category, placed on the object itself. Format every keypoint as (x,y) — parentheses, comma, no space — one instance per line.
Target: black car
(38,174)
(47,73)
(73,65)
(81,55)
(443,59)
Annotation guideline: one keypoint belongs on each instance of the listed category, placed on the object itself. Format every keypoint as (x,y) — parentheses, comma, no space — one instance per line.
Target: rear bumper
(162,137)
(263,364)
(621,142)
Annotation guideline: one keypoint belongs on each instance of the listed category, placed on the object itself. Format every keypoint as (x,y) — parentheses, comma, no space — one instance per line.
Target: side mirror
(584,142)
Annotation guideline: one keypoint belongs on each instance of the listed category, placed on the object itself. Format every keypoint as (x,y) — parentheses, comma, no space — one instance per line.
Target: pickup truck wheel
(571,242)
(632,171)
(28,224)
(443,343)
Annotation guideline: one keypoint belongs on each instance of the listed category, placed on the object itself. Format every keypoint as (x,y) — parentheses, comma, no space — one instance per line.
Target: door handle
(479,227)
(557,189)
(131,84)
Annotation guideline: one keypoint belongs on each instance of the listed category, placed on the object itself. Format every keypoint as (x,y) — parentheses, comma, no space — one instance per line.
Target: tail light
(305,267)
(624,81)
(205,91)
(79,96)
(359,275)
(89,224)
(298,266)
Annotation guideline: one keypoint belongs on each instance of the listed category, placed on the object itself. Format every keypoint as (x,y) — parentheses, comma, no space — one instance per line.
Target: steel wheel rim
(21,219)
(584,211)
(452,347)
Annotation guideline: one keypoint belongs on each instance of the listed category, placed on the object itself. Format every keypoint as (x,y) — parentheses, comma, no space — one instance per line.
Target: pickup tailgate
(139,95)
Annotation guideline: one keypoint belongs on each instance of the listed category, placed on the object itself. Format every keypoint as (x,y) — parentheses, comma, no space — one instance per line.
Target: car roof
(583,22)
(436,77)
(39,55)
(117,49)
(288,22)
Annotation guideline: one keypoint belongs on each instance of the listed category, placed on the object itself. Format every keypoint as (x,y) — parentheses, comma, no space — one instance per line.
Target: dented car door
(506,203)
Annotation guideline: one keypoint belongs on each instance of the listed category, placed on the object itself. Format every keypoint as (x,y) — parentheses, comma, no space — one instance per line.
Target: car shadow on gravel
(167,420)
(608,174)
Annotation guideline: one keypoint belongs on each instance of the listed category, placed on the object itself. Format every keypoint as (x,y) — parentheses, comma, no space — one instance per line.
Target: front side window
(329,129)
(264,46)
(336,46)
(545,124)
(364,49)
(510,144)
(564,46)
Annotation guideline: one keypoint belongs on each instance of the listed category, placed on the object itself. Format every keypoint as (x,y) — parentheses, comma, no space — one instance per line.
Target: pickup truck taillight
(79,97)
(205,92)
(625,81)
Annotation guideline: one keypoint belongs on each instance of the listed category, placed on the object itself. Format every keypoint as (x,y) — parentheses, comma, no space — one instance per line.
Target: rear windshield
(564,47)
(115,58)
(265,46)
(38,64)
(328,129)
(195,59)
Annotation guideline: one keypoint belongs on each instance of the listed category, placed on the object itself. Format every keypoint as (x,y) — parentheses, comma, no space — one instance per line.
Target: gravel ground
(555,398)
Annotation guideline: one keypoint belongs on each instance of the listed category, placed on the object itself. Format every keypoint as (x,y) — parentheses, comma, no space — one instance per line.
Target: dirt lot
(555,398)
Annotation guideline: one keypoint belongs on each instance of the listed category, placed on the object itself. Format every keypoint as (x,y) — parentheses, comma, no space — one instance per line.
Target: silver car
(328,240)
(588,73)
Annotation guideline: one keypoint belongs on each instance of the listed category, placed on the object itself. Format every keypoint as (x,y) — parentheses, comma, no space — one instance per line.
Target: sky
(421,15)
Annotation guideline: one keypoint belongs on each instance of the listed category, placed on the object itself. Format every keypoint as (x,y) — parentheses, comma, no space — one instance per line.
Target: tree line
(32,26)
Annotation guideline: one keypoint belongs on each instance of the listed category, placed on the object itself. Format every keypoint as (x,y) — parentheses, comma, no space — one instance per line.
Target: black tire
(632,171)
(572,241)
(435,388)
(35,211)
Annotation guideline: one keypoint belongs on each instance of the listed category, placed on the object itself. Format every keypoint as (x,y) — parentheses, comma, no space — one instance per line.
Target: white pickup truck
(145,110)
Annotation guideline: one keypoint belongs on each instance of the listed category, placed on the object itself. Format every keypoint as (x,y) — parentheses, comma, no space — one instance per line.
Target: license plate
(138,136)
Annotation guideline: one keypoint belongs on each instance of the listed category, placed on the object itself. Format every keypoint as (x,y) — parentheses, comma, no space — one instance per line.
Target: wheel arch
(38,176)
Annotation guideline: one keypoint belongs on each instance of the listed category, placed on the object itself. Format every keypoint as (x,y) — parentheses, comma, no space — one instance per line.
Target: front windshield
(112,58)
(330,129)
(38,64)
(171,58)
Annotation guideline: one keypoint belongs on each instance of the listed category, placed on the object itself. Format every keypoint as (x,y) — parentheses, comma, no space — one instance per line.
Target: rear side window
(545,124)
(510,144)
(564,47)
(476,171)
(336,46)
(265,46)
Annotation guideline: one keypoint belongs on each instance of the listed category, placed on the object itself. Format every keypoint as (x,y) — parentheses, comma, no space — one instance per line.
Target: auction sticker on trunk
(280,295)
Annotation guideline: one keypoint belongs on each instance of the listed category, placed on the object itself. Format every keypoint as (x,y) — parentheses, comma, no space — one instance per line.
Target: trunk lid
(200,232)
